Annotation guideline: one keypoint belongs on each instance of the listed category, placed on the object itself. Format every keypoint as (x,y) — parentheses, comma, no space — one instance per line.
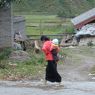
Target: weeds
(29,69)
(90,43)
(4,54)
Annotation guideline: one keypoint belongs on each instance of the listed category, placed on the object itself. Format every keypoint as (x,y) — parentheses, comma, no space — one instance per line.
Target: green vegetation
(93,70)
(3,3)
(29,69)
(47,24)
(90,43)
(82,50)
(23,70)
(50,17)
(5,53)
(62,8)
(79,55)
(34,68)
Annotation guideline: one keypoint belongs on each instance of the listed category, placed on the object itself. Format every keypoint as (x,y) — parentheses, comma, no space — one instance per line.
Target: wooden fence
(58,36)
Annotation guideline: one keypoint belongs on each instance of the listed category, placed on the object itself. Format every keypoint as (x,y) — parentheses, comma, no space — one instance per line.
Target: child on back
(55,49)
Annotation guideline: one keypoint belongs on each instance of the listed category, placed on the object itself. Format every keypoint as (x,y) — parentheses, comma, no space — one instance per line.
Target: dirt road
(78,66)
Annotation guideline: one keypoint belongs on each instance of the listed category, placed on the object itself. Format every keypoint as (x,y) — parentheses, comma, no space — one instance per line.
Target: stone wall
(86,40)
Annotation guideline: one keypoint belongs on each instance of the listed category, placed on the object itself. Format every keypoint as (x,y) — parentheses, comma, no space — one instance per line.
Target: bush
(4,54)
(90,43)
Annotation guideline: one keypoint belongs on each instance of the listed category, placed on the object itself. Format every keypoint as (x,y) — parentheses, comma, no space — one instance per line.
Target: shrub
(4,54)
(90,43)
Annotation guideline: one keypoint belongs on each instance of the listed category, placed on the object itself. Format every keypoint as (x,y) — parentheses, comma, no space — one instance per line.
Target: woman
(51,69)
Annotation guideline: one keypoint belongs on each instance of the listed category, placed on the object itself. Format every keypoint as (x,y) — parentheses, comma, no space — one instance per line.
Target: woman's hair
(44,38)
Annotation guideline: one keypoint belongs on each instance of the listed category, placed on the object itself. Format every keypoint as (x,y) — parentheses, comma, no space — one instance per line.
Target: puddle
(38,88)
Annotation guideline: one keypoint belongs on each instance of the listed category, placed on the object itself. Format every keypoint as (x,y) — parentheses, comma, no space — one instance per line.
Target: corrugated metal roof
(83,17)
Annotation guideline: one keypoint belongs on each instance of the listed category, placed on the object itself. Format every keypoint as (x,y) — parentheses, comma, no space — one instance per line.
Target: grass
(47,24)
(5,53)
(76,53)
(84,50)
(29,69)
(34,68)
(41,18)
(93,70)
(23,70)
(44,30)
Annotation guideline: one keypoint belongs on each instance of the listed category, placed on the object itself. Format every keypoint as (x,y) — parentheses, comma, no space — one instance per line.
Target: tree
(4,3)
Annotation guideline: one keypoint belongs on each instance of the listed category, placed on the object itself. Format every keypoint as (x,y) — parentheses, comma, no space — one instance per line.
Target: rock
(19,55)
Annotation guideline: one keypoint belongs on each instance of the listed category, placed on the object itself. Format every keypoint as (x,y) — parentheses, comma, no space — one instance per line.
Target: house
(85,26)
(84,18)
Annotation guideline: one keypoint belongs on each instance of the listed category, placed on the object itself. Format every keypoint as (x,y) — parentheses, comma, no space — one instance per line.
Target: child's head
(55,41)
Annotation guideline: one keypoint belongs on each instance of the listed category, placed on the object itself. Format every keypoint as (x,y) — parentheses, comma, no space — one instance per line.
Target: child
(55,49)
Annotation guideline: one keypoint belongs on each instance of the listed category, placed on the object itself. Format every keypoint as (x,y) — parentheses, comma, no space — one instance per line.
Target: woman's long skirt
(51,72)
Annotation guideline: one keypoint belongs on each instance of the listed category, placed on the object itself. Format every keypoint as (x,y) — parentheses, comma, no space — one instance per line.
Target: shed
(83,19)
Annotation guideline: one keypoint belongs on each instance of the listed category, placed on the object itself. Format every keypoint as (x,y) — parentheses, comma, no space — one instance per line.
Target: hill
(65,8)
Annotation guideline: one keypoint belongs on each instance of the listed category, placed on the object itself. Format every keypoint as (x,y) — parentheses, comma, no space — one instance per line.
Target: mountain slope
(67,8)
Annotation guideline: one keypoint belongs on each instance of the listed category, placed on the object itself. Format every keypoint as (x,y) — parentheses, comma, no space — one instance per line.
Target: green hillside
(65,8)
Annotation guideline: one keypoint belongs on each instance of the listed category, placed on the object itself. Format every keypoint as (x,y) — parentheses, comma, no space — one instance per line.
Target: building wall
(5,28)
(84,41)
(19,26)
(9,26)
